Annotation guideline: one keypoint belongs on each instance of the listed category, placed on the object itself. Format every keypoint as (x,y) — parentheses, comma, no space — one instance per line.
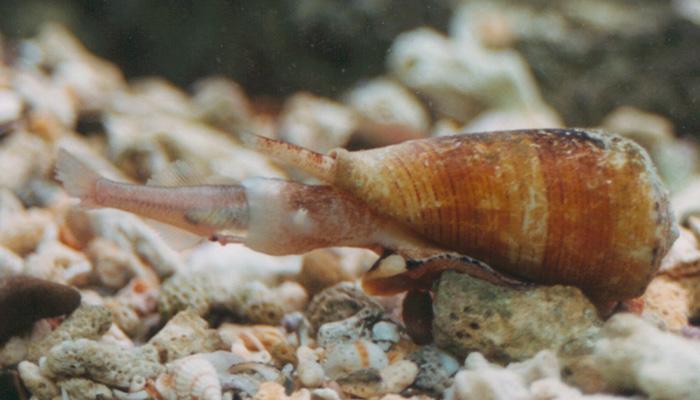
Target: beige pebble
(39,385)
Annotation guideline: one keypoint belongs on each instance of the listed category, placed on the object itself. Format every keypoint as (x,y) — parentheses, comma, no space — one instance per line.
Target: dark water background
(276,47)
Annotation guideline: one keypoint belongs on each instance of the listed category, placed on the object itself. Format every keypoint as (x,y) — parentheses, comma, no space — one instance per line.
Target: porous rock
(259,304)
(87,321)
(39,385)
(185,334)
(506,324)
(85,389)
(633,355)
(181,292)
(125,317)
(109,364)
(675,295)
(537,378)
(483,381)
(666,300)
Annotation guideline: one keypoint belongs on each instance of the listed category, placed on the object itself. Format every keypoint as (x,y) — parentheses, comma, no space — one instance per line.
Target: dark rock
(25,300)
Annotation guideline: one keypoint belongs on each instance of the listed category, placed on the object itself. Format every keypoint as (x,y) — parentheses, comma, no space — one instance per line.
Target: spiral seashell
(195,378)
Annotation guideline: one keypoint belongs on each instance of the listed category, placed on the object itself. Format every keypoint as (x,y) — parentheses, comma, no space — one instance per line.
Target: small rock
(10,263)
(112,265)
(390,112)
(132,234)
(363,383)
(58,263)
(385,334)
(435,368)
(398,376)
(223,103)
(666,300)
(309,371)
(321,269)
(316,123)
(104,363)
(506,324)
(85,389)
(39,385)
(10,106)
(337,303)
(632,355)
(23,232)
(15,350)
(347,330)
(483,381)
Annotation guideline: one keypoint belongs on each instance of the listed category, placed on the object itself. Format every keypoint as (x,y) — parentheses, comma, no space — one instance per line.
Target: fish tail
(77,178)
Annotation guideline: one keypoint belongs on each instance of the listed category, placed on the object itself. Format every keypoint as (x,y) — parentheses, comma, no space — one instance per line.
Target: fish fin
(182,173)
(77,178)
(318,165)
(178,173)
(178,239)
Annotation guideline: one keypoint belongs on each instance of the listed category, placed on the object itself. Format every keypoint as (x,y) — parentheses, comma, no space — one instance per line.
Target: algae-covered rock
(510,324)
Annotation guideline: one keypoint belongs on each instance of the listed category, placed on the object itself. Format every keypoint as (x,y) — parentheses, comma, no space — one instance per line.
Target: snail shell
(194,377)
(564,206)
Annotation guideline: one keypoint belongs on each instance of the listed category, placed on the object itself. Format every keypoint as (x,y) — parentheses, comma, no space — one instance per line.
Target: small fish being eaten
(269,215)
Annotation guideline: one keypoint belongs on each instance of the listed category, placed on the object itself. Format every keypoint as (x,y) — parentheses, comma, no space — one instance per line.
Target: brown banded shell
(565,206)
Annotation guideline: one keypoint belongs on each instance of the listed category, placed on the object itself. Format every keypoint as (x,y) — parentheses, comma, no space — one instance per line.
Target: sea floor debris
(98,304)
